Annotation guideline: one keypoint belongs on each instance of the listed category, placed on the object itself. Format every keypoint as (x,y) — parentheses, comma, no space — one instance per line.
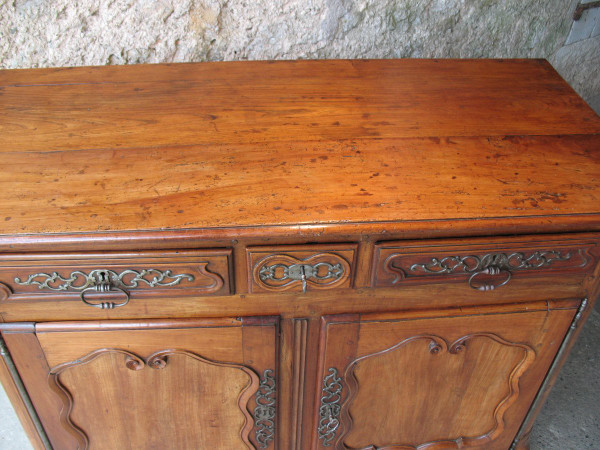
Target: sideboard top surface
(251,144)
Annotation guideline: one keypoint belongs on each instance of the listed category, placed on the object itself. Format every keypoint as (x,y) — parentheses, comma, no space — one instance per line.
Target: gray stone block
(38,33)
(585,27)
(579,64)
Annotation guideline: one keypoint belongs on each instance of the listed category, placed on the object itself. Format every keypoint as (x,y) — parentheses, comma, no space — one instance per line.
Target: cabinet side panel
(18,404)
(31,363)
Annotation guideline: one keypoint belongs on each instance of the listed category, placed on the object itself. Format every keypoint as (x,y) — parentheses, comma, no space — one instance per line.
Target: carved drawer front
(395,380)
(110,280)
(482,265)
(301,268)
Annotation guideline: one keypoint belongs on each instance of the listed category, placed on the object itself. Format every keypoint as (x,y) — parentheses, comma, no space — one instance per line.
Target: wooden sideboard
(293,255)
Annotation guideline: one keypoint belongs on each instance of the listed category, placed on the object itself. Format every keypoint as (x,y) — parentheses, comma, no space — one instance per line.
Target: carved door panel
(415,380)
(185,384)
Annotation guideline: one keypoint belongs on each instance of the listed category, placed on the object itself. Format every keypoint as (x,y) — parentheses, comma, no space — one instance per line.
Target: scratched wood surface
(202,146)
(456,397)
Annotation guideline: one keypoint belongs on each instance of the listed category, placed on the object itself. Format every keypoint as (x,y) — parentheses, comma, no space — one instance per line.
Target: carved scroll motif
(79,280)
(157,361)
(282,272)
(5,292)
(505,261)
(437,346)
(501,265)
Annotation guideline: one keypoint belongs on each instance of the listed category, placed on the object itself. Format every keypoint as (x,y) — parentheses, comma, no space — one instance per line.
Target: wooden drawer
(109,280)
(481,264)
(301,268)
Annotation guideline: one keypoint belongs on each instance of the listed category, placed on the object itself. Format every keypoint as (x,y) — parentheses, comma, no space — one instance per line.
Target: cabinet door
(441,379)
(185,384)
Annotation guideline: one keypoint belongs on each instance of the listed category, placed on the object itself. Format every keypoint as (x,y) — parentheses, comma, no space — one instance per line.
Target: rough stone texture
(586,27)
(38,33)
(579,64)
(45,33)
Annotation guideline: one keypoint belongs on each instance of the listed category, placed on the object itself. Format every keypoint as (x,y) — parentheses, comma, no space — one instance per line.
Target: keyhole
(303,274)
(103,281)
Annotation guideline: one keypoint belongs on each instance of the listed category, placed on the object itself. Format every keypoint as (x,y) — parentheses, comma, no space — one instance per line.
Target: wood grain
(33,368)
(217,145)
(334,262)
(267,101)
(375,160)
(438,295)
(150,408)
(405,262)
(299,373)
(142,274)
(64,346)
(428,396)
(154,384)
(254,185)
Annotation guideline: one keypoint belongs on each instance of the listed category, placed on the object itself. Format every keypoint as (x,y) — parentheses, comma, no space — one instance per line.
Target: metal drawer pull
(301,272)
(104,280)
(102,283)
(491,264)
(492,270)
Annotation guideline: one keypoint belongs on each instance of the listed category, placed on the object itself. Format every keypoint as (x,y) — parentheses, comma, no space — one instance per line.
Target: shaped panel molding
(140,275)
(511,359)
(483,267)
(99,363)
(300,268)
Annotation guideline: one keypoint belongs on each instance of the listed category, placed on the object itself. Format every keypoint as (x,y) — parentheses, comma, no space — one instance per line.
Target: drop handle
(476,282)
(102,283)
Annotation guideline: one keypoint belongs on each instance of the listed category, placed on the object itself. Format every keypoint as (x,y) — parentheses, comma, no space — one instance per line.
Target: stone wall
(46,33)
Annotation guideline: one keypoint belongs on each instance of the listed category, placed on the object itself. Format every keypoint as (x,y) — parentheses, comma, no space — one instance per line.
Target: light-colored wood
(219,147)
(153,386)
(468,387)
(254,185)
(61,347)
(459,381)
(31,363)
(153,401)
(157,408)
(157,105)
(296,234)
